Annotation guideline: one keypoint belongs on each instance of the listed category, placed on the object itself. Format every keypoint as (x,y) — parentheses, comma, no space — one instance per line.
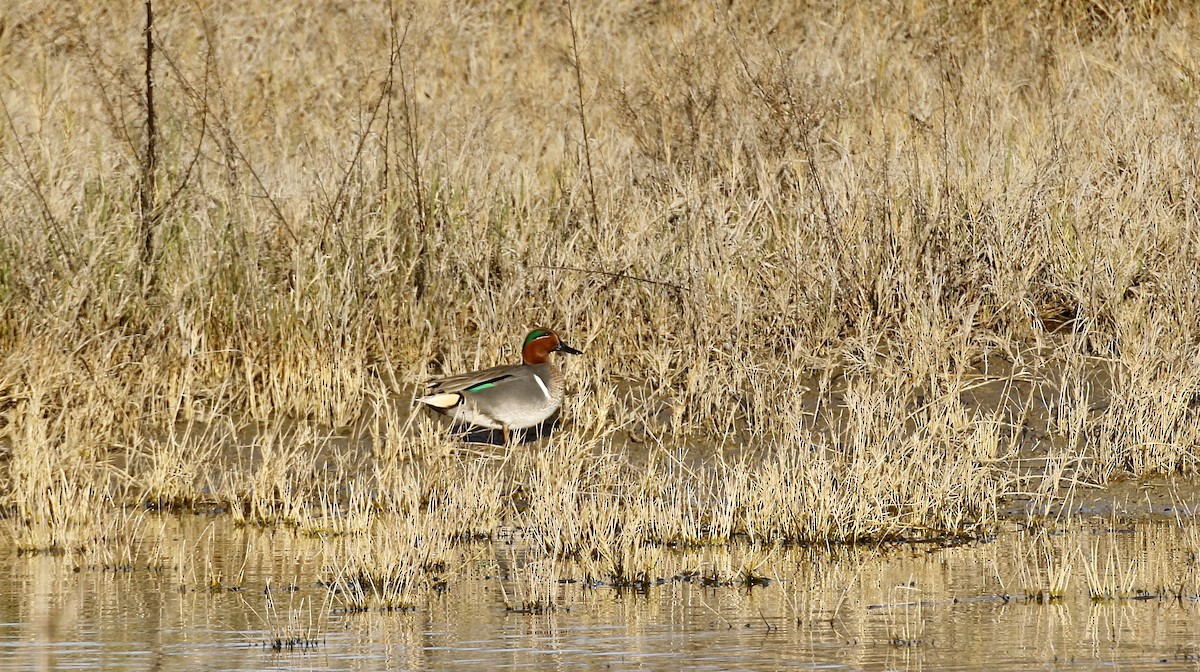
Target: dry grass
(391,565)
(1049,564)
(796,241)
(296,626)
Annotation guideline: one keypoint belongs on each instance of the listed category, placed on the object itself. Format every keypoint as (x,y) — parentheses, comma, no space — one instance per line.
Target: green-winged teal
(514,396)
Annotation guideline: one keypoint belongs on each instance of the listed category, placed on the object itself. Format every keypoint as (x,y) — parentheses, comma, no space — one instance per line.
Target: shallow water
(218,595)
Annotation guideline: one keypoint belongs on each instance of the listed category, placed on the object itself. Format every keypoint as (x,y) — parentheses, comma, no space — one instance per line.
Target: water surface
(204,594)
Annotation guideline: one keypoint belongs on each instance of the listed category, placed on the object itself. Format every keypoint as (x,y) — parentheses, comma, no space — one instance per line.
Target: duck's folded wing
(471,382)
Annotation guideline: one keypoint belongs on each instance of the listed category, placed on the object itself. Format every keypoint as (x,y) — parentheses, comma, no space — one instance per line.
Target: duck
(509,397)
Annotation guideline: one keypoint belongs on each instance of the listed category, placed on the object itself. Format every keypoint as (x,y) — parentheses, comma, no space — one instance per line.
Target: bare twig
(587,144)
(150,159)
(413,156)
(611,274)
(802,124)
(199,99)
(339,198)
(34,185)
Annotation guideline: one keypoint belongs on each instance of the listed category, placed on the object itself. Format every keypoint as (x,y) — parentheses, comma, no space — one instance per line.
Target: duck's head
(540,343)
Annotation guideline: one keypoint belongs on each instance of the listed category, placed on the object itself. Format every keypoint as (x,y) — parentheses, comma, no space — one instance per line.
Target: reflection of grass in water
(292,627)
(902,600)
(1156,561)
(1047,566)
(905,622)
(535,577)
(1119,561)
(805,270)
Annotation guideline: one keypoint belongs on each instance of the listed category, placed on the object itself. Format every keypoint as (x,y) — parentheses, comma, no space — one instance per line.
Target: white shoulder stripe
(545,390)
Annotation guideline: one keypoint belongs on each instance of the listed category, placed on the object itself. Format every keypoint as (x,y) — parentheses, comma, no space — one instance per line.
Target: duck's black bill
(563,347)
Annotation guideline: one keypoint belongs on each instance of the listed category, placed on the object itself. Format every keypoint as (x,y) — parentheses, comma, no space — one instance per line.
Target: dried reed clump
(174,468)
(389,566)
(1151,427)
(276,476)
(888,470)
(417,469)
(535,576)
(1114,562)
(60,493)
(341,509)
(1046,569)
(1153,430)
(928,473)
(294,626)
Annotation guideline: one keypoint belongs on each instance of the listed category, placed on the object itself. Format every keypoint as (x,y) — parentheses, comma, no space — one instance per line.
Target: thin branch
(587,143)
(339,198)
(344,183)
(788,110)
(412,141)
(610,274)
(389,85)
(115,121)
(410,129)
(201,99)
(35,186)
(150,159)
(201,102)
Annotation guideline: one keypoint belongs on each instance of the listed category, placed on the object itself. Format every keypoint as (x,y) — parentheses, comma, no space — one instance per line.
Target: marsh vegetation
(843,274)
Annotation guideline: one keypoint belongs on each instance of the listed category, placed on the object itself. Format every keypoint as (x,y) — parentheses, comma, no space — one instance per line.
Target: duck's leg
(504,431)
